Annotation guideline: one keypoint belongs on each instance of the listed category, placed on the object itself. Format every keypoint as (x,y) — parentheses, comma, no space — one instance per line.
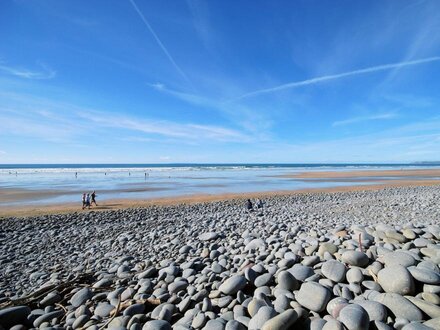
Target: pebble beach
(342,260)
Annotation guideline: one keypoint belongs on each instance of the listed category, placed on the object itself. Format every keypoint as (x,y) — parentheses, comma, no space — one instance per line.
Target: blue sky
(124,81)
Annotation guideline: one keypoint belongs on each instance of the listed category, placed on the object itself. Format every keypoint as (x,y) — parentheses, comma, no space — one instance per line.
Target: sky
(152,81)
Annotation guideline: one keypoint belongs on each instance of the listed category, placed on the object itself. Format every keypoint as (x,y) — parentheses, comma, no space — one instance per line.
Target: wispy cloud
(355,120)
(159,42)
(187,131)
(321,79)
(45,73)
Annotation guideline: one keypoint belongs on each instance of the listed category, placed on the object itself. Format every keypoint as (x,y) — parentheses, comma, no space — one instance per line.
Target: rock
(400,306)
(14,315)
(209,236)
(334,270)
(81,297)
(313,296)
(396,279)
(301,272)
(287,281)
(214,325)
(354,317)
(355,258)
(255,244)
(47,317)
(234,325)
(428,308)
(398,258)
(376,311)
(233,284)
(354,275)
(264,314)
(425,275)
(282,321)
(156,325)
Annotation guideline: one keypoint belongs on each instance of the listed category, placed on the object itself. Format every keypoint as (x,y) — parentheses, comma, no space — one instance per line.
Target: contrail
(316,80)
(161,45)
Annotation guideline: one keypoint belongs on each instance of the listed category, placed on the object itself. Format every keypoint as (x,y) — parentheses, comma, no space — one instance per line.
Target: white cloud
(355,120)
(45,73)
(321,79)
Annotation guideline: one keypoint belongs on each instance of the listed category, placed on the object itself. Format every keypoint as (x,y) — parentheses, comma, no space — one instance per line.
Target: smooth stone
(424,275)
(81,297)
(313,296)
(376,311)
(255,244)
(103,309)
(355,258)
(134,309)
(14,315)
(282,321)
(234,325)
(354,275)
(264,314)
(287,281)
(431,297)
(331,324)
(47,317)
(301,272)
(209,236)
(397,258)
(400,306)
(396,279)
(263,280)
(214,325)
(80,321)
(177,286)
(416,326)
(156,325)
(354,317)
(334,270)
(433,323)
(428,308)
(233,284)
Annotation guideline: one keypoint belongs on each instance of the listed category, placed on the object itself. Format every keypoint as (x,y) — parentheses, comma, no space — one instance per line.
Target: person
(93,196)
(88,201)
(76,174)
(249,206)
(84,201)
(259,204)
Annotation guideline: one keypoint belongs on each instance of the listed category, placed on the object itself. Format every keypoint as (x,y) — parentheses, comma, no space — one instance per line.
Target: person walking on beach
(84,201)
(88,201)
(249,206)
(93,200)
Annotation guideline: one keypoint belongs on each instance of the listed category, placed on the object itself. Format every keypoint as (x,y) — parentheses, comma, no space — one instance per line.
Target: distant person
(84,201)
(76,174)
(249,205)
(93,200)
(88,201)
(259,204)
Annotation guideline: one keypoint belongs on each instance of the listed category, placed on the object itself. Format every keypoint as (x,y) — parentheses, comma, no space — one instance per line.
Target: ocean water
(44,183)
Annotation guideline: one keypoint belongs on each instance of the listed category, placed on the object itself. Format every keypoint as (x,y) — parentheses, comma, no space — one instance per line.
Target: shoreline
(118,204)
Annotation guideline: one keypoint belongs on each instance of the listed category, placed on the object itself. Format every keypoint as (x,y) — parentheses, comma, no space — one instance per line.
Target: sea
(60,183)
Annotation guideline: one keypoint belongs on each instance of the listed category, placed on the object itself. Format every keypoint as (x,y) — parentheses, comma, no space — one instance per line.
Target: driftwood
(40,293)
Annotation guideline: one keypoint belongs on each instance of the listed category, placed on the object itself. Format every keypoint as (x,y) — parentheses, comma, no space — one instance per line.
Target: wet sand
(43,209)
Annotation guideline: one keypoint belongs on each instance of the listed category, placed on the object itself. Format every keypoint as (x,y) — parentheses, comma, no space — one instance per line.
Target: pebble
(296,263)
(355,258)
(313,296)
(354,317)
(396,279)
